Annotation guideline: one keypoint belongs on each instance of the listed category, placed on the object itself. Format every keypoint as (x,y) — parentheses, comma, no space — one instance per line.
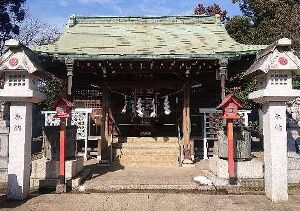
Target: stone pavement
(154,179)
(149,201)
(120,188)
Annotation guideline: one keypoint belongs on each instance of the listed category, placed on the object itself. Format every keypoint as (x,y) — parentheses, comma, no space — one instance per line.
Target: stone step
(146,145)
(148,164)
(137,153)
(148,158)
(149,139)
(148,150)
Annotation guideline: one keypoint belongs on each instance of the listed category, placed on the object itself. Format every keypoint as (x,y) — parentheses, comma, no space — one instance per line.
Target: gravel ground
(149,201)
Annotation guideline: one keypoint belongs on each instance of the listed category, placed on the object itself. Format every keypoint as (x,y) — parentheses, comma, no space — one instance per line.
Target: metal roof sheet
(146,37)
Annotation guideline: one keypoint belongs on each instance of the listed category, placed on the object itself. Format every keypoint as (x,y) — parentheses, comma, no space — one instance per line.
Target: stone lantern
(21,71)
(273,69)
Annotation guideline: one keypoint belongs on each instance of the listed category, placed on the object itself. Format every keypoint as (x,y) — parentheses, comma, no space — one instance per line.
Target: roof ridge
(74,19)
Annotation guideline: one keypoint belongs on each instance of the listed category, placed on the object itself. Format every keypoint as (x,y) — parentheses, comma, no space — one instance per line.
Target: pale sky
(56,12)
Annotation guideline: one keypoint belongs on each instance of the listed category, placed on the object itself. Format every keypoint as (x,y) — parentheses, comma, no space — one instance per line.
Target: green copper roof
(146,37)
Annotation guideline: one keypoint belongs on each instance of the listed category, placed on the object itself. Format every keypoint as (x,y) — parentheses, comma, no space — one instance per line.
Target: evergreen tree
(265,21)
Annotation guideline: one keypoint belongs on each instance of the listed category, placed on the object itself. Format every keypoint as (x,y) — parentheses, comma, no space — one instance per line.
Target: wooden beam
(186,123)
(146,84)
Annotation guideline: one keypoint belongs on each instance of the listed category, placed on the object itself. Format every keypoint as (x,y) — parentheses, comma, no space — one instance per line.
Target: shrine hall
(148,84)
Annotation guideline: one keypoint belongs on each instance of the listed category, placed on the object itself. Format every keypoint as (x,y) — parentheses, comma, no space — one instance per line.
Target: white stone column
(275,150)
(19,165)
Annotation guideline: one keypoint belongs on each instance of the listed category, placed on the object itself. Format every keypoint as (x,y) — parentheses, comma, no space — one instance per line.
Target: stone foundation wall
(3,146)
(46,170)
(3,157)
(293,141)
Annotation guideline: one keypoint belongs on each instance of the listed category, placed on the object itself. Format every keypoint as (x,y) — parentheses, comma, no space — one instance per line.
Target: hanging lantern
(153,107)
(139,107)
(125,106)
(167,106)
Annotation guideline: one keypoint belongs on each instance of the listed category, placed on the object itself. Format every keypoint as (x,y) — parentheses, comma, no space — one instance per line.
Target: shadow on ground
(97,170)
(6,203)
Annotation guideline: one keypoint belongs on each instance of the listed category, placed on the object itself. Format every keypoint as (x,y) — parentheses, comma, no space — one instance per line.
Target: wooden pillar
(70,66)
(223,81)
(186,123)
(105,123)
(222,76)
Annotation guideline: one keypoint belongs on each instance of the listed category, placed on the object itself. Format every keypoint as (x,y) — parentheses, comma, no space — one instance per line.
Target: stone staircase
(146,151)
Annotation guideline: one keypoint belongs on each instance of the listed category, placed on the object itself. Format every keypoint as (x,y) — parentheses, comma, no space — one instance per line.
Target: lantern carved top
(230,106)
(277,56)
(274,69)
(22,70)
(63,107)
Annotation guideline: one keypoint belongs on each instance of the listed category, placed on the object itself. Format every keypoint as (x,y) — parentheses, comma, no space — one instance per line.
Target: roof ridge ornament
(72,21)
(284,42)
(12,43)
(218,18)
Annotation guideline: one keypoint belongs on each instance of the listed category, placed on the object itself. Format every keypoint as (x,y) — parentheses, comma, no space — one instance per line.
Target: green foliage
(296,82)
(51,88)
(265,21)
(241,88)
(11,13)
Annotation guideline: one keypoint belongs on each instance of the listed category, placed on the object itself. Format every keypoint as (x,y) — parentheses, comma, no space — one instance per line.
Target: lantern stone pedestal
(273,69)
(275,150)
(20,147)
(21,89)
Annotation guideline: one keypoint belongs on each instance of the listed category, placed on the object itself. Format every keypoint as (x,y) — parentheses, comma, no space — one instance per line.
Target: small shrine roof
(228,99)
(146,37)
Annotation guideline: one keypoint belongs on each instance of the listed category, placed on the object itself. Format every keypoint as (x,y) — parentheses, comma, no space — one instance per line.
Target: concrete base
(3,153)
(293,176)
(187,163)
(44,170)
(294,170)
(80,178)
(246,169)
(61,188)
(3,175)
